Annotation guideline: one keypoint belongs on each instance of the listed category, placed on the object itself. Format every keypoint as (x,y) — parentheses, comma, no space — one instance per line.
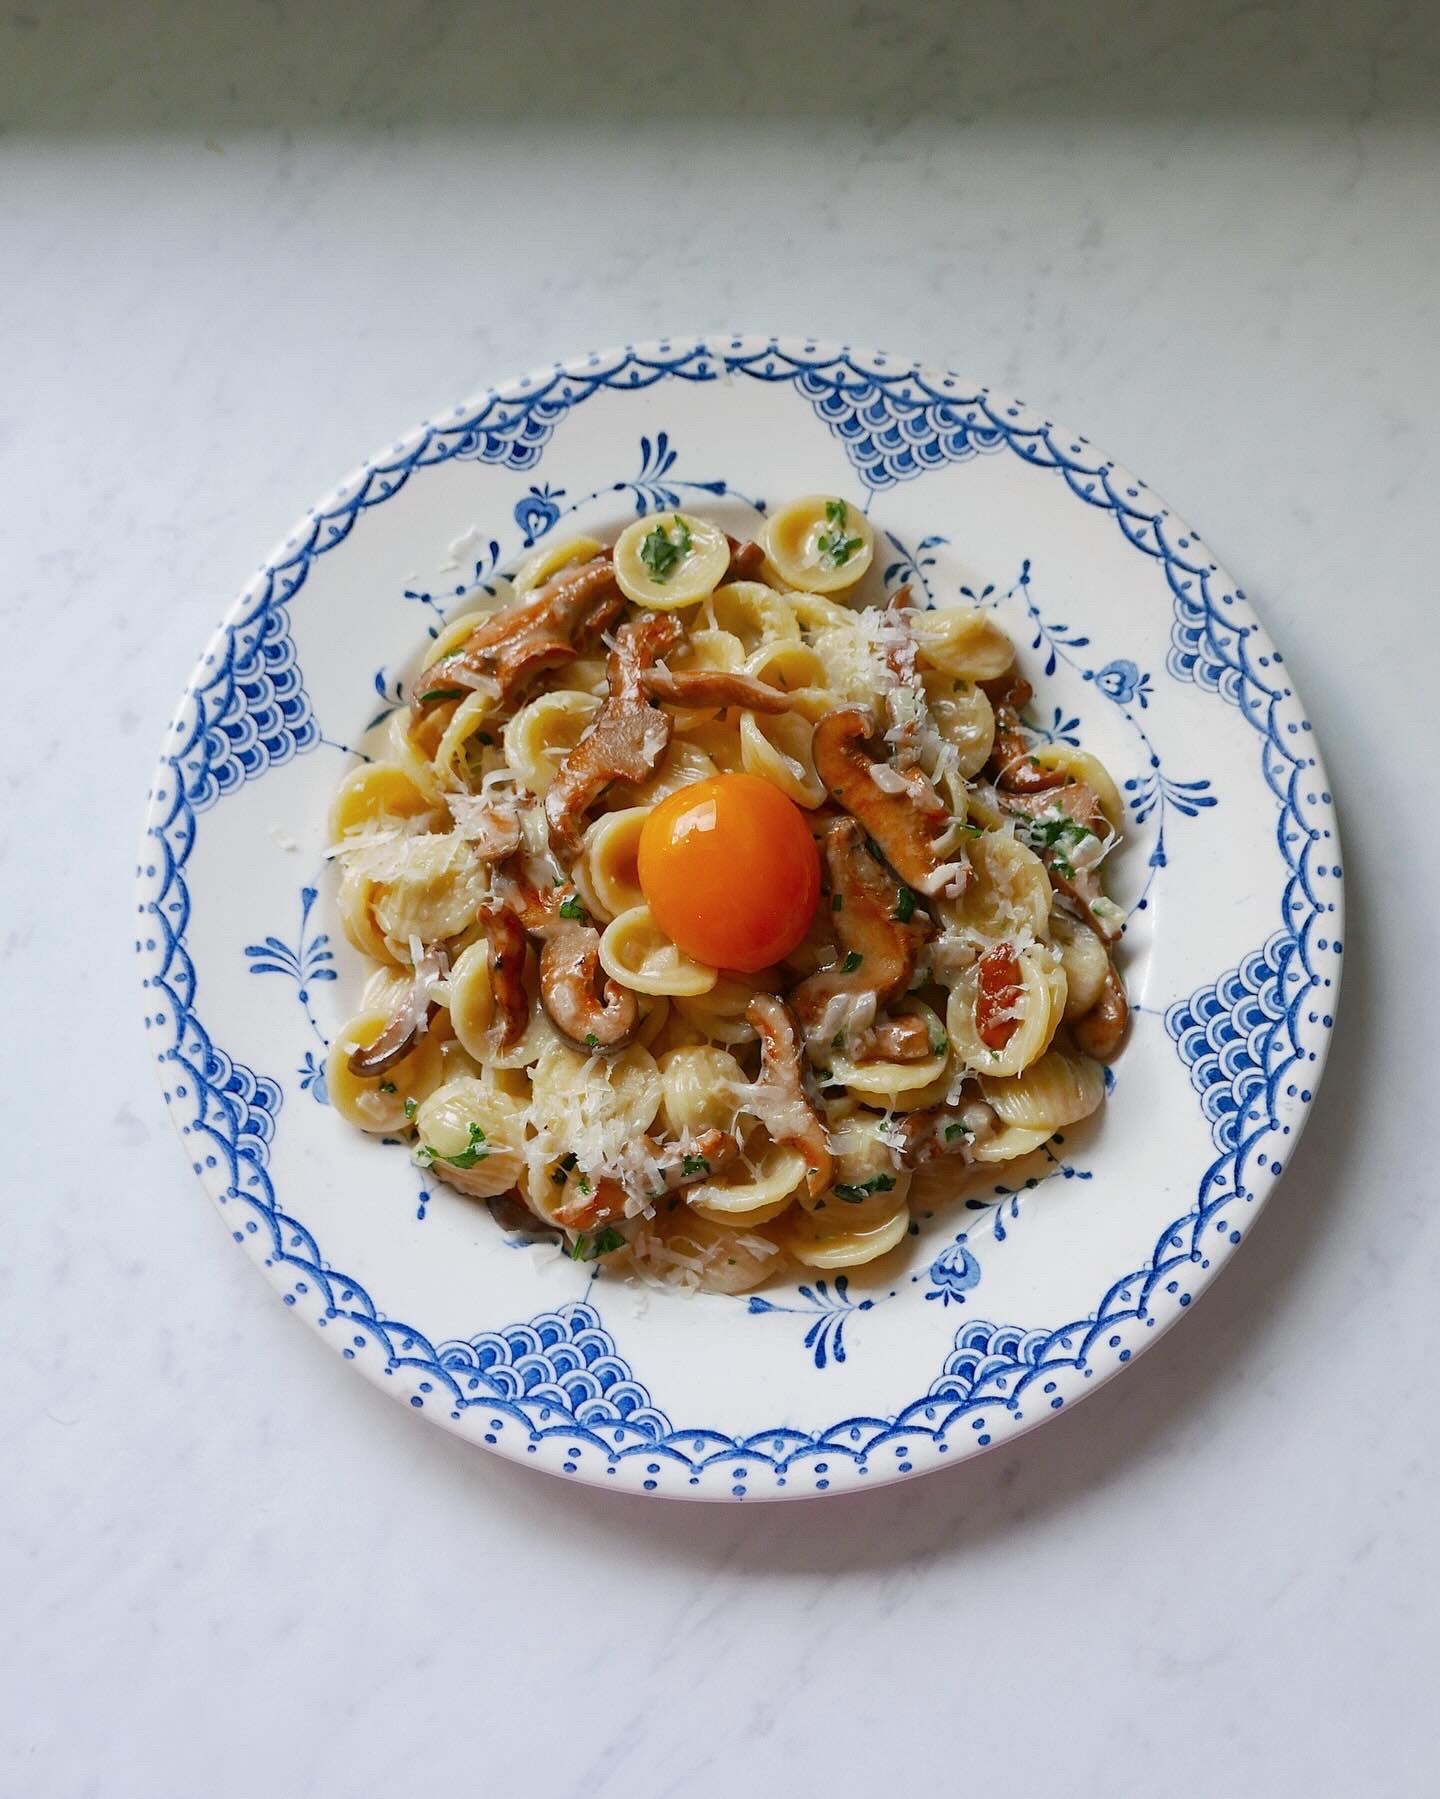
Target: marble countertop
(236,262)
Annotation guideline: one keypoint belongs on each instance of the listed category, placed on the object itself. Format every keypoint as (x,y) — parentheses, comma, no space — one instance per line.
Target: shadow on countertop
(414,67)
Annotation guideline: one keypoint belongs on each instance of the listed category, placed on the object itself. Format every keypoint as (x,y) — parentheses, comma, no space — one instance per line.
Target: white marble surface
(242,246)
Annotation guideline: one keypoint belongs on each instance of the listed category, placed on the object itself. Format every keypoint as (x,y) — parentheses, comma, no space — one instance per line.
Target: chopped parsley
(694,1165)
(1050,833)
(473,1152)
(939,1043)
(411,1108)
(663,554)
(570,907)
(905,905)
(852,962)
(834,545)
(852,1194)
(591,1040)
(388,1087)
(589,1249)
(442,693)
(952,1131)
(583,1183)
(485,738)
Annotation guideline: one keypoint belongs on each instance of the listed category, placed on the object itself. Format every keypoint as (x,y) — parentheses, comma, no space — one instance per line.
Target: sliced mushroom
(490,827)
(1011,766)
(626,740)
(517,643)
(895,1040)
(997,999)
(779,1099)
(1071,870)
(410,1018)
(681,1165)
(746,559)
(591,1015)
(907,834)
(506,937)
(714,687)
(926,1136)
(392,1045)
(877,948)
(1101,1030)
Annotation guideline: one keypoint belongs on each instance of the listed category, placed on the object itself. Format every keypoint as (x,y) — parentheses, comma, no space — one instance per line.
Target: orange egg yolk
(730,871)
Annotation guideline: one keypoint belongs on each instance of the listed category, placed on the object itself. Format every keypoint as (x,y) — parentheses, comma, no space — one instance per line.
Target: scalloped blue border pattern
(559,1375)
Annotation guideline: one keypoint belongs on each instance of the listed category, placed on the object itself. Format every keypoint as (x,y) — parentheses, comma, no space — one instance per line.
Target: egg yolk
(730,871)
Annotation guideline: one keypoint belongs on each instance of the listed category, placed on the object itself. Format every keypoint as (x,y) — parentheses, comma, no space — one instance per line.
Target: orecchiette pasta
(708,891)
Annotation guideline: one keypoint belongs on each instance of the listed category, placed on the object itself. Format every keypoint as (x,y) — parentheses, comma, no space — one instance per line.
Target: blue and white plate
(1014,1298)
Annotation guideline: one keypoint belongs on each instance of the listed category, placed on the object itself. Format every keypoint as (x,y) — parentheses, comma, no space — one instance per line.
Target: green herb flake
(570,907)
(662,554)
(939,1043)
(485,738)
(411,1108)
(583,1183)
(388,1087)
(952,1131)
(591,1040)
(852,1194)
(442,693)
(694,1165)
(905,905)
(852,962)
(605,1242)
(473,1152)
(834,545)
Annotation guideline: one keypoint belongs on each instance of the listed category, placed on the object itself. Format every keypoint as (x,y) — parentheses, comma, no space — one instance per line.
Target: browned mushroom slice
(392,1045)
(490,827)
(779,1099)
(925,1136)
(746,559)
(591,1015)
(506,937)
(520,641)
(680,1165)
(1011,765)
(906,831)
(1058,823)
(871,917)
(895,1040)
(714,687)
(410,1018)
(627,738)
(1101,1030)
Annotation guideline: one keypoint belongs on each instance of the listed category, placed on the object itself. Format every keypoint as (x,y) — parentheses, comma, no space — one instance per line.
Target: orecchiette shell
(444,1123)
(637,953)
(542,734)
(377,1103)
(1040,1007)
(1054,1091)
(698,571)
(777,748)
(809,543)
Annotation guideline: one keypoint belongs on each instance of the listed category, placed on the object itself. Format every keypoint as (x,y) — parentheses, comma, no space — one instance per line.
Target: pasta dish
(705,904)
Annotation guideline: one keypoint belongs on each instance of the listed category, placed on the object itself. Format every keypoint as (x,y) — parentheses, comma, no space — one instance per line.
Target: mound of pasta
(706,904)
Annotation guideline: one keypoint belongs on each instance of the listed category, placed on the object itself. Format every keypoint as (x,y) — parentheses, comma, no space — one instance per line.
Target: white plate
(1005,1306)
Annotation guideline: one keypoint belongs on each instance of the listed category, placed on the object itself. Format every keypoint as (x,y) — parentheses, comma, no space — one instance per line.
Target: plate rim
(737,353)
